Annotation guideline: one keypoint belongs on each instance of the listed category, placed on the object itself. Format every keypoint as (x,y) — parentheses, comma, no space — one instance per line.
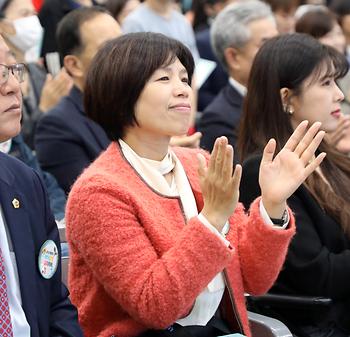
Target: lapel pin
(15,203)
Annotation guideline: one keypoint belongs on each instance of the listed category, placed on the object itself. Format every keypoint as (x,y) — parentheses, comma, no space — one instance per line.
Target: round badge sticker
(48,259)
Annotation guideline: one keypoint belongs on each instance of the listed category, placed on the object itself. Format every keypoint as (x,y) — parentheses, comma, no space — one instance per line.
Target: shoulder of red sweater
(105,167)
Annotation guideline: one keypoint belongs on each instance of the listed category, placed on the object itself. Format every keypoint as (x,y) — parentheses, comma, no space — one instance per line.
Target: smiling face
(10,99)
(163,109)
(319,100)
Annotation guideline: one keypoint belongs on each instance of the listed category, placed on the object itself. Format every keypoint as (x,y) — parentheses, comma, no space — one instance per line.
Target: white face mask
(28,37)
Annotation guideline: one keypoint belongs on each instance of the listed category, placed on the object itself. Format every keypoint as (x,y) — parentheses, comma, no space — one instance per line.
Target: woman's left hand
(279,177)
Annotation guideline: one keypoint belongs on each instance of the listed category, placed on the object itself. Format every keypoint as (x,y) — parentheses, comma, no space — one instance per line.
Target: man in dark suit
(237,34)
(34,303)
(66,140)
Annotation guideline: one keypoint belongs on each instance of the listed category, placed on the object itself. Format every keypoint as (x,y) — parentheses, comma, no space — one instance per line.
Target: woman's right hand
(219,184)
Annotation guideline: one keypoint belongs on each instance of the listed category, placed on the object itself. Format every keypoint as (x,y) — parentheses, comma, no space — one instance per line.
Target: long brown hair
(286,61)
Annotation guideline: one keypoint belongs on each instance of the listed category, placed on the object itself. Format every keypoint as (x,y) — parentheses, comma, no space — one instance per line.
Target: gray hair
(229,28)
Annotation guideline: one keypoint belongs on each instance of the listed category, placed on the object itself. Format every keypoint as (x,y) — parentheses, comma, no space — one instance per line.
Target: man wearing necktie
(33,301)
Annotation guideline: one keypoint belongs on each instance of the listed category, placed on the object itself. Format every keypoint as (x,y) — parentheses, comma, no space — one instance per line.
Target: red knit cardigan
(137,264)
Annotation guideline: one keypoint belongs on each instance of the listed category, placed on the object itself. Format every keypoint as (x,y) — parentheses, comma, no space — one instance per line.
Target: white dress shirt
(238,86)
(20,326)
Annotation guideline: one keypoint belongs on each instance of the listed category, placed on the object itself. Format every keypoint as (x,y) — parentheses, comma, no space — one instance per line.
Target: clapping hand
(54,89)
(279,177)
(220,188)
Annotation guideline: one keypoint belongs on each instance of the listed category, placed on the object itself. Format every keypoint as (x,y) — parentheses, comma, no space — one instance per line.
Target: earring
(289,109)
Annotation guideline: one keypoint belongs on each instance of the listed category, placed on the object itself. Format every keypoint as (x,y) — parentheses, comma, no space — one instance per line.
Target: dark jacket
(56,195)
(45,302)
(221,118)
(67,141)
(318,260)
(30,110)
(217,79)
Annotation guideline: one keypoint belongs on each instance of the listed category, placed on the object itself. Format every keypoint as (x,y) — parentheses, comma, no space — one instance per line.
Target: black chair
(273,304)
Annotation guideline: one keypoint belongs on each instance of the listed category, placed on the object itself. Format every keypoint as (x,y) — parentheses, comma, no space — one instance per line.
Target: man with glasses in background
(34,303)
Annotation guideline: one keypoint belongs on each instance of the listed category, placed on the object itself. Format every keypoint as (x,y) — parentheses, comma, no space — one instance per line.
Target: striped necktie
(5,317)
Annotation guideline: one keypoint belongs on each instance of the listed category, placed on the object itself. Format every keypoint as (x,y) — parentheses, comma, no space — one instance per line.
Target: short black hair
(120,71)
(68,34)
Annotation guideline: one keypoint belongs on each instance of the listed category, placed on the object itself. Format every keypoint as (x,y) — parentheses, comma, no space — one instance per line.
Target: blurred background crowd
(57,41)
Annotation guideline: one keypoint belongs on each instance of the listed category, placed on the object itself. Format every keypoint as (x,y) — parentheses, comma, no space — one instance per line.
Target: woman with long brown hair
(293,79)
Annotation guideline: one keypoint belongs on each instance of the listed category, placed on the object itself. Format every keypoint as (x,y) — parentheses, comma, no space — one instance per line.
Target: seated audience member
(320,23)
(51,13)
(218,78)
(237,33)
(159,16)
(293,79)
(22,32)
(170,228)
(34,303)
(66,140)
(17,148)
(284,12)
(120,9)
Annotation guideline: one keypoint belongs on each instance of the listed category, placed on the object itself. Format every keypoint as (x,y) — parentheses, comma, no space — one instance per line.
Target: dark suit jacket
(221,118)
(56,195)
(67,141)
(217,79)
(44,301)
(318,259)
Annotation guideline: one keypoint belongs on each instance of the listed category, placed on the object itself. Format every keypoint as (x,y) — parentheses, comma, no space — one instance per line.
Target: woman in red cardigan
(160,245)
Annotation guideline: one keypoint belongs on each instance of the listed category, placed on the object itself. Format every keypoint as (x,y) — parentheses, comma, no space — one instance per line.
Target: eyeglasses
(18,70)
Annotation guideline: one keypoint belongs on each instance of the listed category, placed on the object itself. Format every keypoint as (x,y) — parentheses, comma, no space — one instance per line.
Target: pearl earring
(289,109)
